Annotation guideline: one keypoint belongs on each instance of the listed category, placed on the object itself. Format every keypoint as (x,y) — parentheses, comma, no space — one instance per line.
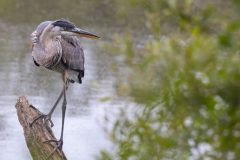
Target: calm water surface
(84,136)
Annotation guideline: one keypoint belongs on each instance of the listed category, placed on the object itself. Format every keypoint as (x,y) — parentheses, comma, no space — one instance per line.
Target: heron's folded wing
(72,54)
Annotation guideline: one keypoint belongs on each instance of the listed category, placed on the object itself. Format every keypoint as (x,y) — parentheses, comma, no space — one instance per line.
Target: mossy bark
(36,134)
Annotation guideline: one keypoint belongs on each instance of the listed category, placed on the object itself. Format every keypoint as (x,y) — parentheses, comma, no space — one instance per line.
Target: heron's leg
(65,87)
(47,117)
(55,105)
(64,105)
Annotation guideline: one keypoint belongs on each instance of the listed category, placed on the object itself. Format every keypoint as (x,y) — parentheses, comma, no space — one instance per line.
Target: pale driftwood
(37,133)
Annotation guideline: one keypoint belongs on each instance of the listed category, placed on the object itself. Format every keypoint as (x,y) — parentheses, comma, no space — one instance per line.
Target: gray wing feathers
(72,53)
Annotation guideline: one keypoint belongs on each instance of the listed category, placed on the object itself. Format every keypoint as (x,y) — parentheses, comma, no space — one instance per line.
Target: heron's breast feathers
(47,56)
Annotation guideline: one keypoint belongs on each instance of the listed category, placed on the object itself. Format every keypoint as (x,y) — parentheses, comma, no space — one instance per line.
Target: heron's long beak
(83,33)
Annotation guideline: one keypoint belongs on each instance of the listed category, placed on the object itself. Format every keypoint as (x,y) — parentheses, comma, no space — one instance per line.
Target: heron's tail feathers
(75,76)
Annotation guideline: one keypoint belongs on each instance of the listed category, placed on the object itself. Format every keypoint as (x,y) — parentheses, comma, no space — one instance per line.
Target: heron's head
(64,27)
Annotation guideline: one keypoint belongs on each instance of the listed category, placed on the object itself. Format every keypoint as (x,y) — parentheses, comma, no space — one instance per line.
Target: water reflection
(19,76)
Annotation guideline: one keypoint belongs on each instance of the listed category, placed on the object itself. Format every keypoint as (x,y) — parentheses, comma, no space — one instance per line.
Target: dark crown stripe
(64,24)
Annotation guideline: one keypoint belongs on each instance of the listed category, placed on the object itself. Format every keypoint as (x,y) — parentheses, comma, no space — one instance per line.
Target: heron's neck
(45,37)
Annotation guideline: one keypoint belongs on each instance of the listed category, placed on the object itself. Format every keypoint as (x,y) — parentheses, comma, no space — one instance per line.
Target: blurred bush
(184,60)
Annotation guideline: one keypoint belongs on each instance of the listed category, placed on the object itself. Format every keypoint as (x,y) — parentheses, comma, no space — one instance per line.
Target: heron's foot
(45,117)
(59,144)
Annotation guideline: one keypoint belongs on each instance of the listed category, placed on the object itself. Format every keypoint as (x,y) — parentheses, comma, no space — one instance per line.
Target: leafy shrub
(187,77)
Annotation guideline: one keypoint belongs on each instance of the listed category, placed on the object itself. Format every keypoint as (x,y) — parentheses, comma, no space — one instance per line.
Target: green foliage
(186,76)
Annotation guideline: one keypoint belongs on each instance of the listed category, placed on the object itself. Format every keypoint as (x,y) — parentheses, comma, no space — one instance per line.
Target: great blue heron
(55,46)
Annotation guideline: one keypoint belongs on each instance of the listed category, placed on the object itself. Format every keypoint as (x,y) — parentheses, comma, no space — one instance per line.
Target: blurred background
(163,82)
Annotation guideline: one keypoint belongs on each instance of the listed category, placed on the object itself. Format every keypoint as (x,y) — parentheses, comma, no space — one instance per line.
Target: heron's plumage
(73,55)
(58,52)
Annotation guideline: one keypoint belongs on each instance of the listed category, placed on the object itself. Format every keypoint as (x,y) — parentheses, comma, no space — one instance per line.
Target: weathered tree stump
(36,134)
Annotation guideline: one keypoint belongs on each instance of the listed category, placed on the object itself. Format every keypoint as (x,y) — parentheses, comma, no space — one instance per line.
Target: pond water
(84,136)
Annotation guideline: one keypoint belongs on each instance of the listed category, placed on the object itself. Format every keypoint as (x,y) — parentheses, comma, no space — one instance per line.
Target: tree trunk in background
(38,133)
